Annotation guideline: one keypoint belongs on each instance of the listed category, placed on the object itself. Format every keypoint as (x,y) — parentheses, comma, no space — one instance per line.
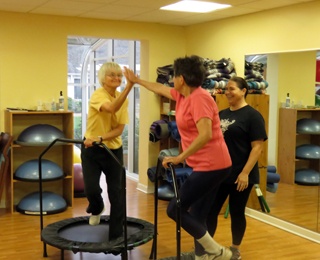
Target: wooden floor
(20,235)
(298,204)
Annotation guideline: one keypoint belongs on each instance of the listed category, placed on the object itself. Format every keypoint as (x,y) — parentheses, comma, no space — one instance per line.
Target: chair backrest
(5,144)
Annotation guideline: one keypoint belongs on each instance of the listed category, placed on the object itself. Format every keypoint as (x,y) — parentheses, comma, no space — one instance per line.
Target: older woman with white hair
(107,117)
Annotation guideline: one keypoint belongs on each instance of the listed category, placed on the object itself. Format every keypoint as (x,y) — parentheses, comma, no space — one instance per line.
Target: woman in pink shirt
(203,149)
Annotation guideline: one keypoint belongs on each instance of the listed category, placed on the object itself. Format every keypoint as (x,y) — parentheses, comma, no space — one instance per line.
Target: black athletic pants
(199,191)
(237,204)
(96,160)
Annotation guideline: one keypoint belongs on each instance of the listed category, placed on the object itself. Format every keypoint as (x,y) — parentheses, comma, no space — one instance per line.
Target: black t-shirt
(240,128)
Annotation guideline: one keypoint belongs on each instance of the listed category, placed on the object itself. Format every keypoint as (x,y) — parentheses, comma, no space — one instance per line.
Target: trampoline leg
(153,253)
(178,212)
(45,254)
(124,256)
(62,254)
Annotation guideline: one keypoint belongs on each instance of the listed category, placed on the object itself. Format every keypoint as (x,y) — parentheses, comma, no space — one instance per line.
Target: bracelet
(101,139)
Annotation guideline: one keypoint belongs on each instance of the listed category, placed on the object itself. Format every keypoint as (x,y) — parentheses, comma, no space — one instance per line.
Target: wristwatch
(101,139)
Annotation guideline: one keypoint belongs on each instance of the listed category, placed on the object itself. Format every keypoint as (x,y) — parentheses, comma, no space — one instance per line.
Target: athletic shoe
(225,254)
(188,255)
(95,219)
(201,257)
(235,253)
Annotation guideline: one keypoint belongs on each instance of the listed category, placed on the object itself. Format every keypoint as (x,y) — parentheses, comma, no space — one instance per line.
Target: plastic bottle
(61,102)
(53,105)
(288,102)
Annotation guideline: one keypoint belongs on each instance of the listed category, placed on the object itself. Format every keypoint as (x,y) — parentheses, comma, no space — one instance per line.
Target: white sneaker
(225,254)
(235,253)
(95,219)
(201,257)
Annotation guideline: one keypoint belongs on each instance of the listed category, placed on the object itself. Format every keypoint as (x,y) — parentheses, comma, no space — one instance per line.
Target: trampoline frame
(52,235)
(153,254)
(124,253)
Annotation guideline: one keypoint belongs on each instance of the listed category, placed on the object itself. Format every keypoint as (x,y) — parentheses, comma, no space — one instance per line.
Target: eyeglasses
(113,75)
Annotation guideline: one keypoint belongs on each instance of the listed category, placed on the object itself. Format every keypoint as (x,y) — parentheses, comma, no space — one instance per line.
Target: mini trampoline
(76,235)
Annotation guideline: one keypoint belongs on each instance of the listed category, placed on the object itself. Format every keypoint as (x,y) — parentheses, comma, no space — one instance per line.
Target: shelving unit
(15,123)
(288,140)
(167,106)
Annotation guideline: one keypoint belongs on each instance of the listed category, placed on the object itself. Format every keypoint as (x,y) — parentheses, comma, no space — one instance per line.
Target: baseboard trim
(140,187)
(284,225)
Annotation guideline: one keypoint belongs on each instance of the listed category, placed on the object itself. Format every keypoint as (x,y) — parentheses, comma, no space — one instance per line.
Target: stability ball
(308,151)
(39,134)
(165,191)
(29,171)
(307,176)
(308,126)
(78,180)
(51,203)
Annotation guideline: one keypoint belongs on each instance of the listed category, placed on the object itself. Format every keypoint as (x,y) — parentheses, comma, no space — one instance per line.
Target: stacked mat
(218,74)
(165,75)
(163,129)
(254,77)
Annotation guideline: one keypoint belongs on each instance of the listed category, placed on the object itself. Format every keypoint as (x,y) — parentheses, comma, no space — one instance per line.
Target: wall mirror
(295,73)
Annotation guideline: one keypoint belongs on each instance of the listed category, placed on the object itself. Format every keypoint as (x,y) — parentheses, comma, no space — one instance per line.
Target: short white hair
(105,68)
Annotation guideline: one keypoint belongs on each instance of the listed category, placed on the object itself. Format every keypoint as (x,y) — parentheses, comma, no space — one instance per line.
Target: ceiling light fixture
(194,6)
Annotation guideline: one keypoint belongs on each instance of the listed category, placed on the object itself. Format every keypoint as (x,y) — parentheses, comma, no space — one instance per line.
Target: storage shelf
(289,139)
(60,153)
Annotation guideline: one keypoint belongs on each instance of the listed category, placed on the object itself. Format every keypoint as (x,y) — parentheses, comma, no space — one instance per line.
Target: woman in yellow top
(107,117)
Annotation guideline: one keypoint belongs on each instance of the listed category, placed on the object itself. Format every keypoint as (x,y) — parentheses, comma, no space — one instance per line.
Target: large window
(85,57)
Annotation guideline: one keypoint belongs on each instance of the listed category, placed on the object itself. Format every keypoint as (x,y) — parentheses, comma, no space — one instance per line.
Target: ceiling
(139,10)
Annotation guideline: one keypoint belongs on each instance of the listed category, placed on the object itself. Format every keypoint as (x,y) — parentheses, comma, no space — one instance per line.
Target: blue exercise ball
(51,203)
(308,126)
(165,191)
(307,176)
(39,134)
(29,171)
(308,151)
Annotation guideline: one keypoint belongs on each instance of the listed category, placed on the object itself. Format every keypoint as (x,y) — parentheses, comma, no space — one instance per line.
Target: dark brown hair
(191,68)
(241,83)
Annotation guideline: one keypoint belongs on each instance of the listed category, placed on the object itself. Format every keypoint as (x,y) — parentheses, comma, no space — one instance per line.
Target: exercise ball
(78,180)
(39,134)
(308,126)
(165,191)
(51,203)
(308,151)
(307,177)
(76,154)
(29,171)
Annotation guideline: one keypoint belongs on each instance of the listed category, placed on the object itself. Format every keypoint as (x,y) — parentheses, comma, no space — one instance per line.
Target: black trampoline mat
(83,232)
(77,235)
